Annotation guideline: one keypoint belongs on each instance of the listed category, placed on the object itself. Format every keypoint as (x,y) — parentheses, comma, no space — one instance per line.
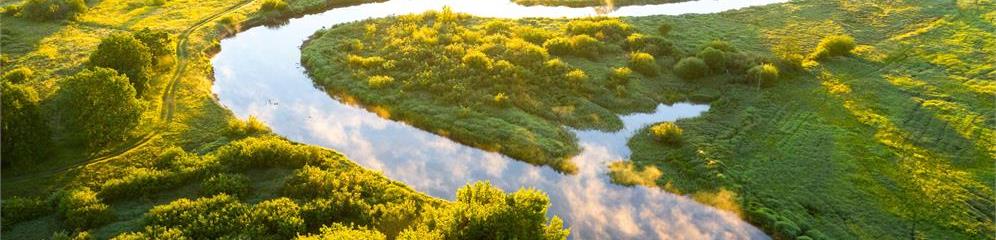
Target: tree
(24,133)
(482,211)
(41,10)
(159,42)
(99,106)
(127,55)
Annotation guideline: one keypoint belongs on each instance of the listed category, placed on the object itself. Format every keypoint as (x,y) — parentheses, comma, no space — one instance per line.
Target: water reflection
(258,72)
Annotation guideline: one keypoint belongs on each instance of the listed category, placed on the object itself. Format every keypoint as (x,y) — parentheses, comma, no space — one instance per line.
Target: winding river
(258,72)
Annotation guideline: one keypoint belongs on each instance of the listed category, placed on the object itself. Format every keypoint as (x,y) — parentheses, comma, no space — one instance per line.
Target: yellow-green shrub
(835,45)
(691,68)
(80,208)
(643,63)
(666,132)
(380,81)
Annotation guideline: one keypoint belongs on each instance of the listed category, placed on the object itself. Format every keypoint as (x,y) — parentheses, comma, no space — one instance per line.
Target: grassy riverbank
(593,3)
(185,150)
(891,140)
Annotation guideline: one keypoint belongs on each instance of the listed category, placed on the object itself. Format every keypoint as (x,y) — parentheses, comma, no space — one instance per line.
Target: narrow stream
(258,72)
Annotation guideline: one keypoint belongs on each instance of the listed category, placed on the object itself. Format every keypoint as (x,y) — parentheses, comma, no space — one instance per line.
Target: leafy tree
(42,10)
(25,136)
(482,211)
(127,55)
(99,106)
(691,68)
(159,42)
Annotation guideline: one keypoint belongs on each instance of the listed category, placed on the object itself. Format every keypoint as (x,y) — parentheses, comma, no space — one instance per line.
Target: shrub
(664,29)
(720,45)
(153,232)
(25,134)
(835,45)
(380,81)
(338,231)
(18,209)
(364,62)
(691,68)
(500,99)
(532,34)
(41,10)
(159,42)
(559,46)
(716,59)
(643,63)
(340,208)
(576,77)
(611,28)
(555,66)
(80,208)
(279,217)
(126,55)
(787,229)
(477,60)
(250,127)
(233,184)
(482,211)
(648,44)
(138,181)
(273,5)
(666,132)
(205,218)
(99,106)
(620,76)
(18,75)
(586,46)
(764,75)
(523,53)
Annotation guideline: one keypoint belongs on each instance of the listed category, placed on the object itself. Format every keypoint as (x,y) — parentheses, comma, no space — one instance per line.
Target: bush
(716,59)
(559,46)
(250,127)
(787,229)
(153,232)
(159,42)
(691,68)
(620,76)
(720,45)
(19,209)
(340,208)
(576,77)
(643,63)
(80,208)
(500,99)
(338,231)
(18,75)
(666,132)
(41,10)
(204,218)
(273,5)
(25,134)
(832,46)
(482,211)
(126,55)
(232,184)
(279,217)
(764,75)
(139,182)
(380,81)
(578,45)
(98,106)
(606,28)
(664,29)
(477,60)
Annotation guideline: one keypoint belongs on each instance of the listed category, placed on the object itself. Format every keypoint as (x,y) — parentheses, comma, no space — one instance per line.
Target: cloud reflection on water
(258,73)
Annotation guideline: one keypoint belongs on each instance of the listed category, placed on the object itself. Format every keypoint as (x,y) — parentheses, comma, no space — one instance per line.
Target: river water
(258,72)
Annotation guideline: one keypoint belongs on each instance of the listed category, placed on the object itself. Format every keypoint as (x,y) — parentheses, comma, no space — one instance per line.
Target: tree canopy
(127,55)
(99,106)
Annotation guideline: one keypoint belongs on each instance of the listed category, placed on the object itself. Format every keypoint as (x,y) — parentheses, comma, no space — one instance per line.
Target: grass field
(187,148)
(893,141)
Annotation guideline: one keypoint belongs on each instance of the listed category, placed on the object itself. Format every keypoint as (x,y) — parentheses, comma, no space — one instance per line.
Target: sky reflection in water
(258,73)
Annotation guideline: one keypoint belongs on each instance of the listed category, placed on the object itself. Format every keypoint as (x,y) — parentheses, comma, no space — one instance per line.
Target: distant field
(892,140)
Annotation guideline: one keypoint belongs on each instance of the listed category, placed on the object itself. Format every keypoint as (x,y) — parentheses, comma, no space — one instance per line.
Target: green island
(828,119)
(111,131)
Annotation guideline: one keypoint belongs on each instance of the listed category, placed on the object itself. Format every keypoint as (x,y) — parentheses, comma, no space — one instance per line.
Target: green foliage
(664,29)
(80,208)
(232,184)
(273,5)
(153,232)
(643,63)
(343,232)
(602,28)
(250,127)
(620,76)
(18,75)
(43,10)
(482,211)
(19,209)
(213,217)
(98,106)
(832,46)
(650,44)
(126,55)
(25,137)
(578,45)
(666,132)
(380,81)
(691,68)
(160,43)
(716,59)
(281,217)
(139,182)
(764,74)
(720,45)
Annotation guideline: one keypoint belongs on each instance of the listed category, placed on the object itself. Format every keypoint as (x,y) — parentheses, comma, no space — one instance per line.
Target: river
(258,72)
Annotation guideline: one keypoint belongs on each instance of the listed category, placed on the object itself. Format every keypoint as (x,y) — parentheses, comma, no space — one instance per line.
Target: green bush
(654,45)
(18,75)
(338,231)
(716,59)
(643,63)
(787,229)
(25,135)
(98,106)
(477,60)
(269,152)
(832,46)
(666,132)
(603,28)
(691,68)
(482,211)
(273,5)
(576,77)
(139,182)
(204,218)
(720,45)
(279,217)
(340,208)
(763,75)
(620,76)
(160,43)
(578,45)
(126,55)
(250,127)
(380,81)
(19,209)
(232,184)
(153,232)
(41,10)
(559,46)
(664,29)
(80,208)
